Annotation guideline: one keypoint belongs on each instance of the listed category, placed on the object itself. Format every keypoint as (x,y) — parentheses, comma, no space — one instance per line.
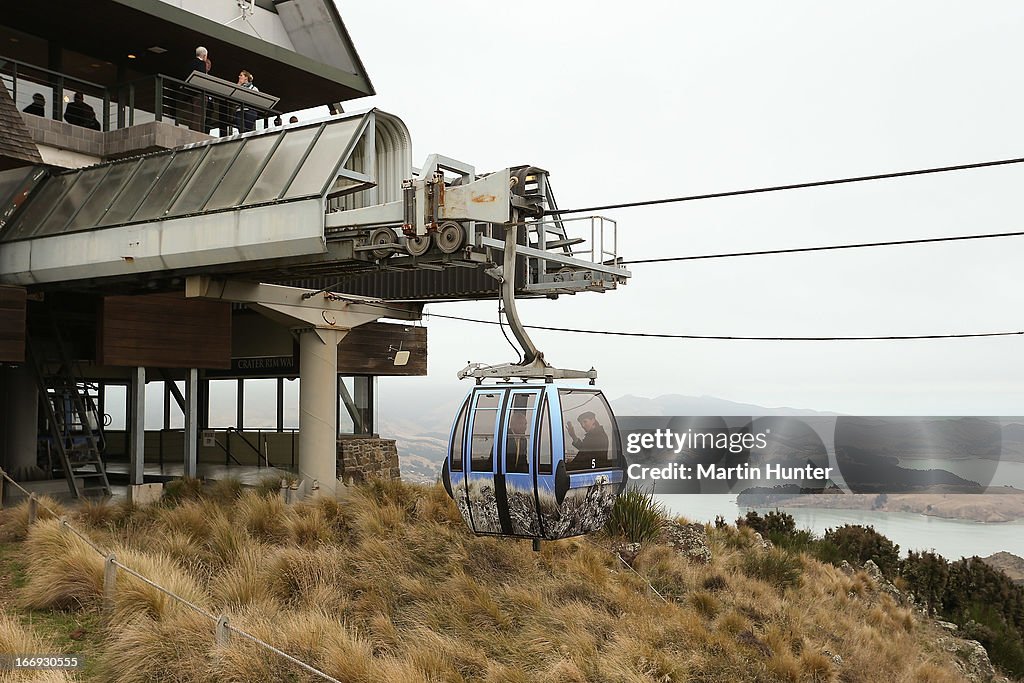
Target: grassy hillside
(389,585)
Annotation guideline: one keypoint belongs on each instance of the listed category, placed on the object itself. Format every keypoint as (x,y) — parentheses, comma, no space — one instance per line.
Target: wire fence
(223,627)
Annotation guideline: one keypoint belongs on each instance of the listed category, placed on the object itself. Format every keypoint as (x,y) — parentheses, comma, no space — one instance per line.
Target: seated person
(517,443)
(593,447)
(79,113)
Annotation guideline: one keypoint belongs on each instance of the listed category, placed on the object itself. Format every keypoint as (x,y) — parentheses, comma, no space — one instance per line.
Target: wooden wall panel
(12,324)
(164,331)
(364,350)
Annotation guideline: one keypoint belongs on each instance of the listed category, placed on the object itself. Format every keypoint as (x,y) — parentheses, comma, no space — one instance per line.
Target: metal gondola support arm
(533,365)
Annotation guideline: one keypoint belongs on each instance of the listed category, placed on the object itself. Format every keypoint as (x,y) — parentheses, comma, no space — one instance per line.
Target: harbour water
(949,537)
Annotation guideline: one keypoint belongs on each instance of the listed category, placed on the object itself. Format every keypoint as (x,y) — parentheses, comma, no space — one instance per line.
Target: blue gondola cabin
(529,461)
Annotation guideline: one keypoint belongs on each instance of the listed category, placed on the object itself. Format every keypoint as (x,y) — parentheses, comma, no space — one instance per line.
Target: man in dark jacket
(593,447)
(78,113)
(38,106)
(192,104)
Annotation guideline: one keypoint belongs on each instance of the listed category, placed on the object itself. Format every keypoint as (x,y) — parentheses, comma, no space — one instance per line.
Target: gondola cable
(657,335)
(829,247)
(793,186)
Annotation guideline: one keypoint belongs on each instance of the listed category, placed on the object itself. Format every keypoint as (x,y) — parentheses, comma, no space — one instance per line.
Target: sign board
(209,438)
(218,86)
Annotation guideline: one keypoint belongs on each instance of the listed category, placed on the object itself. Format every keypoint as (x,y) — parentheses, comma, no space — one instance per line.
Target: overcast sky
(632,101)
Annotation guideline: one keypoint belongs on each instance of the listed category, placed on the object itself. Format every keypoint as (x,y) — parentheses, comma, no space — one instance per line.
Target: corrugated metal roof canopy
(282,165)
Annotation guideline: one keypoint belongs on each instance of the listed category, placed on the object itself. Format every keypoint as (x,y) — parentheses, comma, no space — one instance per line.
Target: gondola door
(517,506)
(484,416)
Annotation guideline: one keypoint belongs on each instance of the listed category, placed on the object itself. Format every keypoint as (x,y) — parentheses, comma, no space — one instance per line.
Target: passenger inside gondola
(592,446)
(517,442)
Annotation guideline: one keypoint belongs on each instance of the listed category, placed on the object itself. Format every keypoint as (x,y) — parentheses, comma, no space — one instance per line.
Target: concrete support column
(19,413)
(137,425)
(318,417)
(191,422)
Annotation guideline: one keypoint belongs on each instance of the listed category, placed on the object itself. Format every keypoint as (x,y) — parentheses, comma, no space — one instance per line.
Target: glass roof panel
(39,206)
(166,187)
(72,201)
(94,208)
(323,160)
(282,165)
(11,181)
(205,178)
(136,190)
(239,178)
(14,186)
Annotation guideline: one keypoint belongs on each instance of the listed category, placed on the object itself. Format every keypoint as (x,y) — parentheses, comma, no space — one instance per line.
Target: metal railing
(264,437)
(26,83)
(164,98)
(222,626)
(151,98)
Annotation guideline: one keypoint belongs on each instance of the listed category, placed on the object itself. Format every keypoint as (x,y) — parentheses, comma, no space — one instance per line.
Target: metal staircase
(70,407)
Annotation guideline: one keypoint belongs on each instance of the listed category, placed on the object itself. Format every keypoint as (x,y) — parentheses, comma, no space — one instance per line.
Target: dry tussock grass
(389,585)
(176,649)
(14,521)
(15,640)
(262,516)
(134,596)
(65,572)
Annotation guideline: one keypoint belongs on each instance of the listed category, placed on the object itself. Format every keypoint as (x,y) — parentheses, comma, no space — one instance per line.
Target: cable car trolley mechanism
(532,459)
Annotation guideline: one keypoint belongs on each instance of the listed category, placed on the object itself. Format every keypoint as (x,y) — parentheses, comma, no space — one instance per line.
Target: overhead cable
(723,337)
(794,186)
(829,247)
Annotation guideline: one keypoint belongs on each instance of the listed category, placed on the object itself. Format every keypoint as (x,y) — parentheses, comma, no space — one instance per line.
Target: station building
(168,235)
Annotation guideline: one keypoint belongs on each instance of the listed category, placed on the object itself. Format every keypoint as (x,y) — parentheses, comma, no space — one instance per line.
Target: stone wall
(151,136)
(362,459)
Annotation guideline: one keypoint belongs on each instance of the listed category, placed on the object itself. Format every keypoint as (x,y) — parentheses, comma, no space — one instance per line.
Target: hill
(390,585)
(1009,564)
(678,404)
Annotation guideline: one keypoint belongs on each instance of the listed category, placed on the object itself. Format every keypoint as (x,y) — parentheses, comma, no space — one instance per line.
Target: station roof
(291,163)
(245,204)
(323,67)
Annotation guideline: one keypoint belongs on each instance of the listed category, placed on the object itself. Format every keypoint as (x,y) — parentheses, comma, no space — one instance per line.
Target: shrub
(636,516)
(774,523)
(927,575)
(859,544)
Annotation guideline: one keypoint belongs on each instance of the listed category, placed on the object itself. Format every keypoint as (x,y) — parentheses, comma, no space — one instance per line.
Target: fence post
(223,631)
(106,109)
(109,583)
(158,105)
(33,508)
